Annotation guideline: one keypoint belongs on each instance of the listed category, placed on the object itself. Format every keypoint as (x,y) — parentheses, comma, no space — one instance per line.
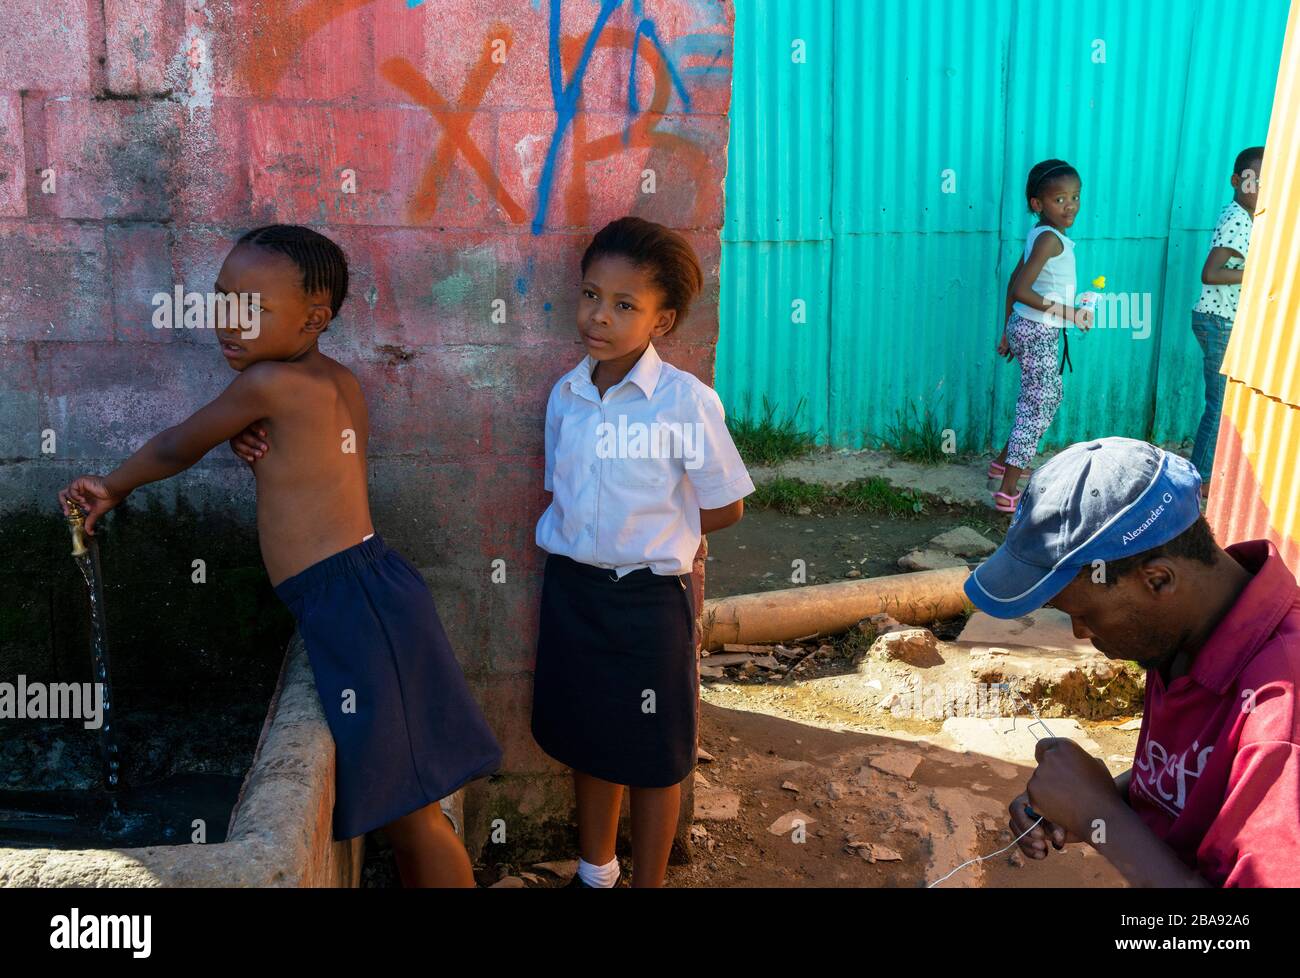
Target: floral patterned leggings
(1034,345)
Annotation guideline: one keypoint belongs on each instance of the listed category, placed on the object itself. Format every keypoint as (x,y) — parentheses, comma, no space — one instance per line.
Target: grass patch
(788,495)
(767,439)
(918,438)
(873,495)
(854,644)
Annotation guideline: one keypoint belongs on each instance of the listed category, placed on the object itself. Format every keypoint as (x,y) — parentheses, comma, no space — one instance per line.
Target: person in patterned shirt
(1214,312)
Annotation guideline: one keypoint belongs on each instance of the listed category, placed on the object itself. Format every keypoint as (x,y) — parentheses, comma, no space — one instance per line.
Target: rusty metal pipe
(827,609)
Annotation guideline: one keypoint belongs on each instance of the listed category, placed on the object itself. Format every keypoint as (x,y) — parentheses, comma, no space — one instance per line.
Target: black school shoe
(577,883)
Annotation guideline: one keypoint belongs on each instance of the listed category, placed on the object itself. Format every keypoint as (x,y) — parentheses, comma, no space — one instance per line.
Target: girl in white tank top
(1057,279)
(1040,302)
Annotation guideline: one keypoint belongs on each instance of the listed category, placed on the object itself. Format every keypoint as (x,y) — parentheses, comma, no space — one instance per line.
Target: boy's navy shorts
(407,732)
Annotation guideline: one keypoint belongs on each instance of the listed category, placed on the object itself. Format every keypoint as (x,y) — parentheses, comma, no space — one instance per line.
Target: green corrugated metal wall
(836,206)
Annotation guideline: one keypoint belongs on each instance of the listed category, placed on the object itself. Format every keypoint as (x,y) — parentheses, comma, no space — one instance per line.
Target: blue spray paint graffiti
(566,97)
(703,46)
(646,28)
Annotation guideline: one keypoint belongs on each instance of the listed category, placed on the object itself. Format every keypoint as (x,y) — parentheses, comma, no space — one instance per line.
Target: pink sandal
(1004,503)
(997,470)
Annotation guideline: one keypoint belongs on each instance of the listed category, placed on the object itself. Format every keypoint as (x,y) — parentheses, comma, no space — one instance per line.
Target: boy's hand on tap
(249,444)
(95,497)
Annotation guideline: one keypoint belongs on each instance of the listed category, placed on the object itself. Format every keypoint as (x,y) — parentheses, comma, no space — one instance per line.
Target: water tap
(77,527)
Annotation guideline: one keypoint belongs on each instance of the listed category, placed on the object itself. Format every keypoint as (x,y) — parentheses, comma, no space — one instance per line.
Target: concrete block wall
(461,152)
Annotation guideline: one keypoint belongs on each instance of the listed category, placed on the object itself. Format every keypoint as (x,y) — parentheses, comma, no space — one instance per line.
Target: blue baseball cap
(1097,500)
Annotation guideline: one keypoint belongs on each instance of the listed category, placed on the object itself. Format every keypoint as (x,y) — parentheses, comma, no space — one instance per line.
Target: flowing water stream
(110,750)
(167,812)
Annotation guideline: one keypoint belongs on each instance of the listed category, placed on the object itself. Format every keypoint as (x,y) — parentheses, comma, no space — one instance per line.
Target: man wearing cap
(1110,532)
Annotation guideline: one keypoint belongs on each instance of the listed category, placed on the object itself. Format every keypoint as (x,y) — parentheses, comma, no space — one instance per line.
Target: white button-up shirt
(631,472)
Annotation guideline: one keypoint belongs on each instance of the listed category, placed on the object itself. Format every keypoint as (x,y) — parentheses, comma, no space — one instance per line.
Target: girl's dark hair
(323,265)
(665,254)
(1048,171)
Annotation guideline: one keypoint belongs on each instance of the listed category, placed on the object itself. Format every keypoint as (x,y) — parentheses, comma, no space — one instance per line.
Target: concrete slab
(929,559)
(281,829)
(964,542)
(713,804)
(787,822)
(1013,738)
(1045,628)
(900,763)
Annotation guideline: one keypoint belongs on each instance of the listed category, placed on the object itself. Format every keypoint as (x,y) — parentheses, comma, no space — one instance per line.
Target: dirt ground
(756,754)
(961,479)
(804,748)
(805,743)
(756,554)
(811,776)
(883,797)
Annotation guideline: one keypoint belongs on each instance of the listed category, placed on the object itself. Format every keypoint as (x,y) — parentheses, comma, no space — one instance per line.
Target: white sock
(600,877)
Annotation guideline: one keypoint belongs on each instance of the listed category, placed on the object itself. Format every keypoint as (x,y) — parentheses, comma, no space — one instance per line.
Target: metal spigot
(77,527)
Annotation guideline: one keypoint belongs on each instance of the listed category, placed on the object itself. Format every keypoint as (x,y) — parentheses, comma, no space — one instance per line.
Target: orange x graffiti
(282,30)
(455,123)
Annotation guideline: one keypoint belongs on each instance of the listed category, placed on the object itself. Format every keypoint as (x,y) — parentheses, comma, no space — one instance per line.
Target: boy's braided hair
(323,265)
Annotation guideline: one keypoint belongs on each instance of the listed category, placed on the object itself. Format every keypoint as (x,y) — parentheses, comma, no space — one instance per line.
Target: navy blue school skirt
(406,730)
(617,679)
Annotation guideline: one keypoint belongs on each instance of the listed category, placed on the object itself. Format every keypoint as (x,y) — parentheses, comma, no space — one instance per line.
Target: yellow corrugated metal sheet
(1265,348)
(1257,461)
(1253,495)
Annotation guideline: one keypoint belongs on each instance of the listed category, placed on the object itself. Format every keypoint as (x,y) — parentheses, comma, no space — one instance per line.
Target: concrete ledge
(281,828)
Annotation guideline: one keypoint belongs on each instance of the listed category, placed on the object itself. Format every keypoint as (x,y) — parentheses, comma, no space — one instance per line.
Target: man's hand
(1073,789)
(249,444)
(1070,788)
(93,494)
(1034,845)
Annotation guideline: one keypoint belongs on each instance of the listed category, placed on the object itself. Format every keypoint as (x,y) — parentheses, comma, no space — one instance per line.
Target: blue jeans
(1212,333)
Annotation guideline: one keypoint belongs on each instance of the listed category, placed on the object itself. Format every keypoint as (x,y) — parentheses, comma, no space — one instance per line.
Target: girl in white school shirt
(640,464)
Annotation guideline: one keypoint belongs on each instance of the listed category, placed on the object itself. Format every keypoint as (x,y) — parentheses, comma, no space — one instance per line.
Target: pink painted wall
(173,126)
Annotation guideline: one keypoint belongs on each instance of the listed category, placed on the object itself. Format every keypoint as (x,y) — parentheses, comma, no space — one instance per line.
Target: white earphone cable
(980,859)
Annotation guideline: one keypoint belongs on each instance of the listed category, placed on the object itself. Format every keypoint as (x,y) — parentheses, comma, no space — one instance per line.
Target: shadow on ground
(933,807)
